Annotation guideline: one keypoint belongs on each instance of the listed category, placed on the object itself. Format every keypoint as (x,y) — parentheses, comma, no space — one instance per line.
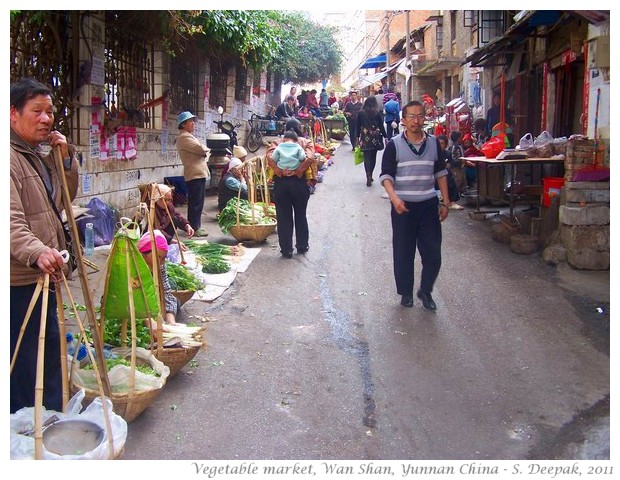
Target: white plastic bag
(543,139)
(527,141)
(23,446)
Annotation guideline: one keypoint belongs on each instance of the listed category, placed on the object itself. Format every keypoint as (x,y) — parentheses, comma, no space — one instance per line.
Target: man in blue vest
(411,164)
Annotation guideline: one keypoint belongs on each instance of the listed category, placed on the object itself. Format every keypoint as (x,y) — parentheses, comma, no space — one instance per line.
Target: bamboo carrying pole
(86,292)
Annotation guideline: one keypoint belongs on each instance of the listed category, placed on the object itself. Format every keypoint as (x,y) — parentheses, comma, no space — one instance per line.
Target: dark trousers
(389,130)
(453,190)
(23,377)
(195,201)
(419,227)
(292,196)
(370,161)
(352,128)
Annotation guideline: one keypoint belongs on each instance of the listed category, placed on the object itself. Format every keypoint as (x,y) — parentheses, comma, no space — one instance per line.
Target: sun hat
(234,163)
(183,117)
(144,244)
(239,151)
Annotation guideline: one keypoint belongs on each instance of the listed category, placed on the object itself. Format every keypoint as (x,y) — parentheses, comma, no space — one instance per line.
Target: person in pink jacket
(194,156)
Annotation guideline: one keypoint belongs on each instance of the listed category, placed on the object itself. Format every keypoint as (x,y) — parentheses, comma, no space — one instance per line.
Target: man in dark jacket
(286,109)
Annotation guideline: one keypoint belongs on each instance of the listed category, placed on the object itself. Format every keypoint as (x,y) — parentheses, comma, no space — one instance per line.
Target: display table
(512,163)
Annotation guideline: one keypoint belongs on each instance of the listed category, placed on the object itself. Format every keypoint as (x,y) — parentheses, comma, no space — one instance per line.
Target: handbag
(358,155)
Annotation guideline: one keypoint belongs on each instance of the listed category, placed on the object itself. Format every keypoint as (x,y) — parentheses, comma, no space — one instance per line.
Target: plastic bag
(103,217)
(119,375)
(544,145)
(23,446)
(543,139)
(358,156)
(526,142)
(559,145)
(493,147)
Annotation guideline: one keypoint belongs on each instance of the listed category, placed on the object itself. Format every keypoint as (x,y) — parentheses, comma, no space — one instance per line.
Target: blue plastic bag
(103,217)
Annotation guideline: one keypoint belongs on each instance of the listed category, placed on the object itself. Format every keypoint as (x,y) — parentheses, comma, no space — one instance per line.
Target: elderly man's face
(34,122)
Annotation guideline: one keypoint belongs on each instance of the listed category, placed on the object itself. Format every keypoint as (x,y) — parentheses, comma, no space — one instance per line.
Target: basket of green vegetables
(183,282)
(246,221)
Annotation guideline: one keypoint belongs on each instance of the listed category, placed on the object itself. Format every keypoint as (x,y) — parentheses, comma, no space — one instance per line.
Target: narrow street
(314,358)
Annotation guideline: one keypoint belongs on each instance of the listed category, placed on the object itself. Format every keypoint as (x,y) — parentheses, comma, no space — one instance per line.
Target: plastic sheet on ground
(217,283)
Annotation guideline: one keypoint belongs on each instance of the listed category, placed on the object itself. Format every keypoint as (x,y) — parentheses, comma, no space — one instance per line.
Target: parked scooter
(229,129)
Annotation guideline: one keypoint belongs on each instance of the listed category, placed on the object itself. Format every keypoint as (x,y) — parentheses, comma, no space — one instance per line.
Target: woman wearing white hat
(194,156)
(231,183)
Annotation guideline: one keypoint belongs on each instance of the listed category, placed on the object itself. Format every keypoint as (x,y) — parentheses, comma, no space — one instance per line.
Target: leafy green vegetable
(112,362)
(112,333)
(181,278)
(248,215)
(214,265)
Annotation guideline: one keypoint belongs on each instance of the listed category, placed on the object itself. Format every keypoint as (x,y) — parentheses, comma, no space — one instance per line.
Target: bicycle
(255,137)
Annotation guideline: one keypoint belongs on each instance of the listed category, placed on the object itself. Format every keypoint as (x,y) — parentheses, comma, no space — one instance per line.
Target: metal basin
(72,437)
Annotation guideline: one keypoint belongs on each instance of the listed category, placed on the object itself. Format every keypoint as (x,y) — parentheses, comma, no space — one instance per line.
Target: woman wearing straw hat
(194,156)
(167,218)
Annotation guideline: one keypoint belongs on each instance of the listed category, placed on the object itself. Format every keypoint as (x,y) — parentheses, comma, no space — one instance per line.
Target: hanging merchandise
(124,254)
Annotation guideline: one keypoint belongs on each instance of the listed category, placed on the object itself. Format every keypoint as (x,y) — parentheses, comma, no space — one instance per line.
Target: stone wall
(583,238)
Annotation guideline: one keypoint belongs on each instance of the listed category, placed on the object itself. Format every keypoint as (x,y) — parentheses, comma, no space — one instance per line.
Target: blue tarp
(375,62)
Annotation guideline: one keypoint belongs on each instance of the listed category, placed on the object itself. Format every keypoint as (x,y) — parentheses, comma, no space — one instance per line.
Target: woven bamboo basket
(176,358)
(183,296)
(256,233)
(128,406)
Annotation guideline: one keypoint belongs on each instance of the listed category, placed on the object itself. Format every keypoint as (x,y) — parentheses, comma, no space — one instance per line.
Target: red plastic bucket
(551,188)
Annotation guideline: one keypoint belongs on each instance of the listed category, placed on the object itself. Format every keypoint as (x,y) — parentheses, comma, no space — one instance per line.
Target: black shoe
(368,181)
(406,300)
(287,255)
(303,250)
(427,300)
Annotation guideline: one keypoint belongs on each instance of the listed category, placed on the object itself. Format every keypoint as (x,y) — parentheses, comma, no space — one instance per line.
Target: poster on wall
(126,142)
(200,131)
(94,135)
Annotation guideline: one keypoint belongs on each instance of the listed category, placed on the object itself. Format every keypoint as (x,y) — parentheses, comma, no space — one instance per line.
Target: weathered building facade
(118,91)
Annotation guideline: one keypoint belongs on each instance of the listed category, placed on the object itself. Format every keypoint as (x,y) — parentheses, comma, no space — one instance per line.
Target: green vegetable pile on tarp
(181,278)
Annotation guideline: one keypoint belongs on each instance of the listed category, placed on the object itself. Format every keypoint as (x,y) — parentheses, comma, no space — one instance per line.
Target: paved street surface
(314,358)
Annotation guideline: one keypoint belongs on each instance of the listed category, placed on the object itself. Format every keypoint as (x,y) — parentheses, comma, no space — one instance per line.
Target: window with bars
(129,77)
(241,80)
(217,80)
(184,84)
(439,34)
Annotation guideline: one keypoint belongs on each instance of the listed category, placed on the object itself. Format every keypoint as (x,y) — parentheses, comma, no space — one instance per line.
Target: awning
(393,66)
(375,62)
(370,79)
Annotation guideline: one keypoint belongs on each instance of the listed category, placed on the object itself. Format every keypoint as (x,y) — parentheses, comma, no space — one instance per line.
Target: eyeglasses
(411,116)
